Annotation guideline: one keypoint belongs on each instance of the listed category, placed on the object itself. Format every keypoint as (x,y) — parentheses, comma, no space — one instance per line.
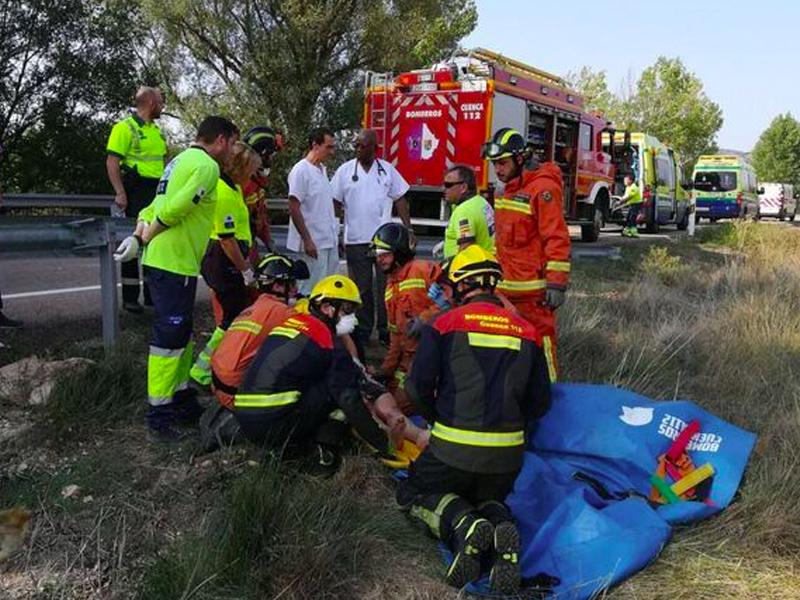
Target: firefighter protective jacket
(532,237)
(296,354)
(407,297)
(481,377)
(244,337)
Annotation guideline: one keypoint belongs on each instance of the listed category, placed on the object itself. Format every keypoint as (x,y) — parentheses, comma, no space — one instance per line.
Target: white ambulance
(777,201)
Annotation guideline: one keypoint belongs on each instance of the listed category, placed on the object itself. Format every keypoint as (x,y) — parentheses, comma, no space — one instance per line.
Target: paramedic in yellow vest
(633,198)
(472,217)
(174,231)
(135,162)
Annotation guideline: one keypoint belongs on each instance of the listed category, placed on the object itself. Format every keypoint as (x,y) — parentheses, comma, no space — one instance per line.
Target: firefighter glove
(128,249)
(438,250)
(414,327)
(555,297)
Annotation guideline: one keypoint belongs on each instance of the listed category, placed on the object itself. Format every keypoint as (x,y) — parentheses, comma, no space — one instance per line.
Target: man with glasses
(314,228)
(365,189)
(472,217)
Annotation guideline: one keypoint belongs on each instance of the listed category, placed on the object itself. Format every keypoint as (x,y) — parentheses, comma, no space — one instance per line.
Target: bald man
(366,189)
(135,162)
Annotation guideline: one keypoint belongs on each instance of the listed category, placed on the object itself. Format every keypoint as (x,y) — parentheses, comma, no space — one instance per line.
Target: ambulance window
(586,136)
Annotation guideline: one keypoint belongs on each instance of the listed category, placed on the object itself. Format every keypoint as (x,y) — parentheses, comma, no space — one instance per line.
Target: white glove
(127,250)
(249,277)
(438,250)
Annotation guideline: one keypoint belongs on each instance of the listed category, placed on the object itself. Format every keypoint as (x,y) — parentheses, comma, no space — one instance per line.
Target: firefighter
(303,385)
(266,142)
(225,267)
(480,377)
(135,162)
(633,198)
(174,230)
(407,303)
(532,237)
(276,278)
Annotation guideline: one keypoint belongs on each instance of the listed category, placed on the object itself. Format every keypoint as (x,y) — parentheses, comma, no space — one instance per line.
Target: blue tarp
(615,437)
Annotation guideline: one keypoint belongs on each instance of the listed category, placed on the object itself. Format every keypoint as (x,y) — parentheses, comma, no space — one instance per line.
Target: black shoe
(472,537)
(7,323)
(186,408)
(168,433)
(133,308)
(322,462)
(504,577)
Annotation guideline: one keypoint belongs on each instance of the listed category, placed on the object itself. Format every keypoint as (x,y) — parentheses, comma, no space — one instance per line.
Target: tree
(65,67)
(670,104)
(294,62)
(667,101)
(776,155)
(592,85)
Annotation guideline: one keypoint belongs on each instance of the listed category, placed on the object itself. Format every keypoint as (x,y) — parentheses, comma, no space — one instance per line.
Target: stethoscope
(381,170)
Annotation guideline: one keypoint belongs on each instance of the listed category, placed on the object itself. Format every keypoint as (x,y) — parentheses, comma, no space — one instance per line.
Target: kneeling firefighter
(407,303)
(480,376)
(276,278)
(303,386)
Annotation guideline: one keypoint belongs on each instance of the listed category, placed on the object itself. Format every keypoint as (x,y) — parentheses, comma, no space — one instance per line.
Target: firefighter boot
(218,427)
(472,537)
(504,578)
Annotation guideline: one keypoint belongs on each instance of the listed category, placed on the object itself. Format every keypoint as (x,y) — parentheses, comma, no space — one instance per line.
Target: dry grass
(718,324)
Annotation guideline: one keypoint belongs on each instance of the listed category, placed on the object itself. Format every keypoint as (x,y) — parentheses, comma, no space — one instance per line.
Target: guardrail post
(108,287)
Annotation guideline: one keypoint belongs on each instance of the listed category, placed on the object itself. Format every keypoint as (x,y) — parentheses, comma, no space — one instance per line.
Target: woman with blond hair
(225,267)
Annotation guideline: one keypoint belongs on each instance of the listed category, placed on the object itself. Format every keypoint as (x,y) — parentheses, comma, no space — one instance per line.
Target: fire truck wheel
(591,233)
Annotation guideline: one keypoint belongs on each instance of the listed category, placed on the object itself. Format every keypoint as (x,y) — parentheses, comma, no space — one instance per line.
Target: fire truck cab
(430,119)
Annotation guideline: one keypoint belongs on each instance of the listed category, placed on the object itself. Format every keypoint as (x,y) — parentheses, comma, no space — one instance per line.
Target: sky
(746,53)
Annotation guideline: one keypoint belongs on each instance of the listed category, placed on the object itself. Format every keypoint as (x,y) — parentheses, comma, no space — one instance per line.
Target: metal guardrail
(87,201)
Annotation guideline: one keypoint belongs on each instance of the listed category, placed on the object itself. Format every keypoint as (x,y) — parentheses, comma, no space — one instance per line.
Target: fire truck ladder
(378,86)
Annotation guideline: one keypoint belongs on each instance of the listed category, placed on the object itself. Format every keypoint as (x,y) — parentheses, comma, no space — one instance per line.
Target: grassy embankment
(715,322)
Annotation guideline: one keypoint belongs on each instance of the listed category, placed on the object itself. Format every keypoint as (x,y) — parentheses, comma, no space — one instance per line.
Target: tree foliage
(295,63)
(667,101)
(776,155)
(65,67)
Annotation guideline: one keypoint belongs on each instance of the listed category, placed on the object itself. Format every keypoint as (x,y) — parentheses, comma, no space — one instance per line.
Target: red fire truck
(429,119)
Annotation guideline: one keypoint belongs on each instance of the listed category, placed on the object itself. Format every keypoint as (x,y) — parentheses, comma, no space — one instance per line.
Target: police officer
(480,377)
(532,239)
(303,382)
(175,230)
(407,303)
(136,152)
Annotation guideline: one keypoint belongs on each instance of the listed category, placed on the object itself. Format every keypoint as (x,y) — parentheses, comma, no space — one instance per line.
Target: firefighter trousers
(440,496)
(296,427)
(544,319)
(140,192)
(170,355)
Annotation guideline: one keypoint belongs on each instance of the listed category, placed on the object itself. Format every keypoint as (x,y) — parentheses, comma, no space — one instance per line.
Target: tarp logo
(637,416)
(671,428)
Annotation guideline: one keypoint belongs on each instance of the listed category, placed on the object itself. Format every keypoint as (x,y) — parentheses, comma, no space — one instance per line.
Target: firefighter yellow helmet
(335,287)
(472,261)
(505,142)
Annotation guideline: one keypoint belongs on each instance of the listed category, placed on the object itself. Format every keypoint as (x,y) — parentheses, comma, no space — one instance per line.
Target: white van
(777,201)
